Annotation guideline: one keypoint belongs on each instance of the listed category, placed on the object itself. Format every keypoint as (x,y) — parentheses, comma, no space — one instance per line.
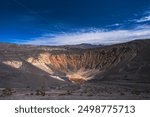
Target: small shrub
(136,92)
(122,93)
(69,92)
(89,94)
(28,87)
(40,92)
(61,94)
(7,92)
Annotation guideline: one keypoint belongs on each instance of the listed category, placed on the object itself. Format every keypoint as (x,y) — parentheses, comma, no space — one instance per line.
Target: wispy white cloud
(114,25)
(93,37)
(144,19)
(98,36)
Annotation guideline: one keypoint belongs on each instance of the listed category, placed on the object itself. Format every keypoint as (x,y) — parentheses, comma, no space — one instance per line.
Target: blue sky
(60,22)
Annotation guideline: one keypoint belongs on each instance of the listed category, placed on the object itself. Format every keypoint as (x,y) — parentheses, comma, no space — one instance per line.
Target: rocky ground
(102,90)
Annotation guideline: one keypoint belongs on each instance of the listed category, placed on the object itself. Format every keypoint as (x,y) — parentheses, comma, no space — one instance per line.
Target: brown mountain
(125,64)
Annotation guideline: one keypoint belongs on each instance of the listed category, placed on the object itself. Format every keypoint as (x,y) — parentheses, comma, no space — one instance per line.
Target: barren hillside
(46,66)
